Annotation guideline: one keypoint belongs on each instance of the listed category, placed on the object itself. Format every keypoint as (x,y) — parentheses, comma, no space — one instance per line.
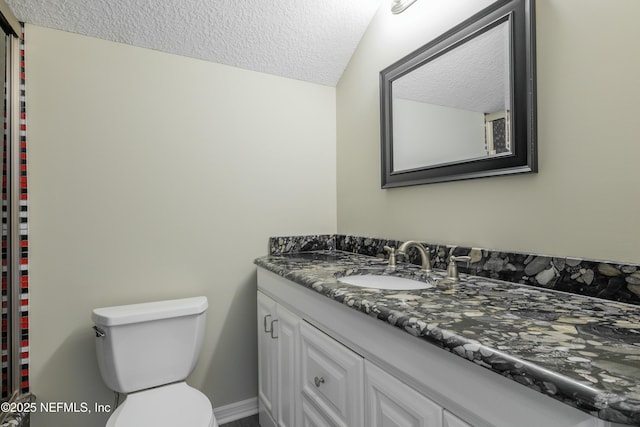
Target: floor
(245,422)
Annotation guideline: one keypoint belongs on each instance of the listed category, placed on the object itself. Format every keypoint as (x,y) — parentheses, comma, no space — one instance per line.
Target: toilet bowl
(171,405)
(146,351)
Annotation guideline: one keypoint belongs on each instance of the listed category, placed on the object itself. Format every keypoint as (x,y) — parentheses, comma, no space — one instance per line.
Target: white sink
(384,282)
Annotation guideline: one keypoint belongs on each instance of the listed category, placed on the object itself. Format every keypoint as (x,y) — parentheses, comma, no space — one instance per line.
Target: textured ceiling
(310,40)
(474,76)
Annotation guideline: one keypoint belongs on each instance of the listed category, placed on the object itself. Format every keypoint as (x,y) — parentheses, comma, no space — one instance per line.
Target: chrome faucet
(424,253)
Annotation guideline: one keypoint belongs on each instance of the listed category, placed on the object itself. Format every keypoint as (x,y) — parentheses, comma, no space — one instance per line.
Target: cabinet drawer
(331,378)
(312,418)
(391,403)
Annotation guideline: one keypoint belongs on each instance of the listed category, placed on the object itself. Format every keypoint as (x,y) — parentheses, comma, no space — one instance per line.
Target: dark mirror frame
(523,158)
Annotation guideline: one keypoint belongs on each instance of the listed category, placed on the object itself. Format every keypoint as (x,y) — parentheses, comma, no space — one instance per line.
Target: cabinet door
(451,420)
(287,328)
(267,361)
(331,379)
(312,418)
(391,403)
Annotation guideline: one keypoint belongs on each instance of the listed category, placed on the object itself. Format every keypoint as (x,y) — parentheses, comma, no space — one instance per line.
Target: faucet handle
(452,269)
(392,255)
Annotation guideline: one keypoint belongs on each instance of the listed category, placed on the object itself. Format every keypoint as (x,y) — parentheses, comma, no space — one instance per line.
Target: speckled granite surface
(582,351)
(602,279)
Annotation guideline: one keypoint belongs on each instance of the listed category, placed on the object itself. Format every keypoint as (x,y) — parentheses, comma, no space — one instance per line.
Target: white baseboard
(235,411)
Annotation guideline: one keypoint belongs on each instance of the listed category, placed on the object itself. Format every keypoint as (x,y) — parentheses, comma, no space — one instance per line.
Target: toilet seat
(167,406)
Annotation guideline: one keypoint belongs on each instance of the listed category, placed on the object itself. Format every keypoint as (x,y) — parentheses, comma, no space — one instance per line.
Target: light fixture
(398,6)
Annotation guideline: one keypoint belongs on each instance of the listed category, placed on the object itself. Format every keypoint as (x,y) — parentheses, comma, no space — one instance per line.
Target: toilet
(146,351)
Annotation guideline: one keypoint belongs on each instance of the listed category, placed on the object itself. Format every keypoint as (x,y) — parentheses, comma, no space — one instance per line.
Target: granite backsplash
(601,279)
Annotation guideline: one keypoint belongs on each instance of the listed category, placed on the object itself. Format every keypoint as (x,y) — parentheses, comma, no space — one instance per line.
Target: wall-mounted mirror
(463,106)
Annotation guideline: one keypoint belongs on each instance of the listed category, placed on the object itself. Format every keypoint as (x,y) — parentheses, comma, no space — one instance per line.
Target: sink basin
(384,282)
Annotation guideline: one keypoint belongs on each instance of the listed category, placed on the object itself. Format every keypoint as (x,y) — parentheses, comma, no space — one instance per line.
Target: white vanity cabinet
(278,331)
(331,378)
(267,358)
(304,374)
(307,375)
(323,364)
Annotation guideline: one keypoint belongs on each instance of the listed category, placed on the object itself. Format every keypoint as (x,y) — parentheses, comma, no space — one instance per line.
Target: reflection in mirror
(463,105)
(456,106)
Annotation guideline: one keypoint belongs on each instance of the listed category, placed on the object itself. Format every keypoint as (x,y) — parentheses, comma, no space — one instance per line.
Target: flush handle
(99,332)
(318,381)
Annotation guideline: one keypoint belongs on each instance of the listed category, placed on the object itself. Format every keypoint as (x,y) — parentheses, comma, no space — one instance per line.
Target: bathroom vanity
(477,353)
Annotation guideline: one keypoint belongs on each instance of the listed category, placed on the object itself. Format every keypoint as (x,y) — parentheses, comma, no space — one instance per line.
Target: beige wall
(584,200)
(155,176)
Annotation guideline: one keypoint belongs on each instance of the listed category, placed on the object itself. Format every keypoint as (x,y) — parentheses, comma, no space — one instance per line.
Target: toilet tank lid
(145,312)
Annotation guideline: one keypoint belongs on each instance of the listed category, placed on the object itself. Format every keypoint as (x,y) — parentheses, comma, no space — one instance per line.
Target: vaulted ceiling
(309,40)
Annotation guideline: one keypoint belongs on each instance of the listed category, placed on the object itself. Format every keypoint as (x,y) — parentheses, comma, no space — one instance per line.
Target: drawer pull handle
(318,381)
(264,322)
(273,329)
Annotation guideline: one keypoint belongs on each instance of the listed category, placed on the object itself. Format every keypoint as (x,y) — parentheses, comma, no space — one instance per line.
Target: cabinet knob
(318,380)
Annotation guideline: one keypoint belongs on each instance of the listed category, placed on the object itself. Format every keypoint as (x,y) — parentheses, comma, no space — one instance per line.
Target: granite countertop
(580,350)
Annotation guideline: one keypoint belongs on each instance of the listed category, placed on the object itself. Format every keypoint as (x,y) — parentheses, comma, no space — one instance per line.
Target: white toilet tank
(140,346)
